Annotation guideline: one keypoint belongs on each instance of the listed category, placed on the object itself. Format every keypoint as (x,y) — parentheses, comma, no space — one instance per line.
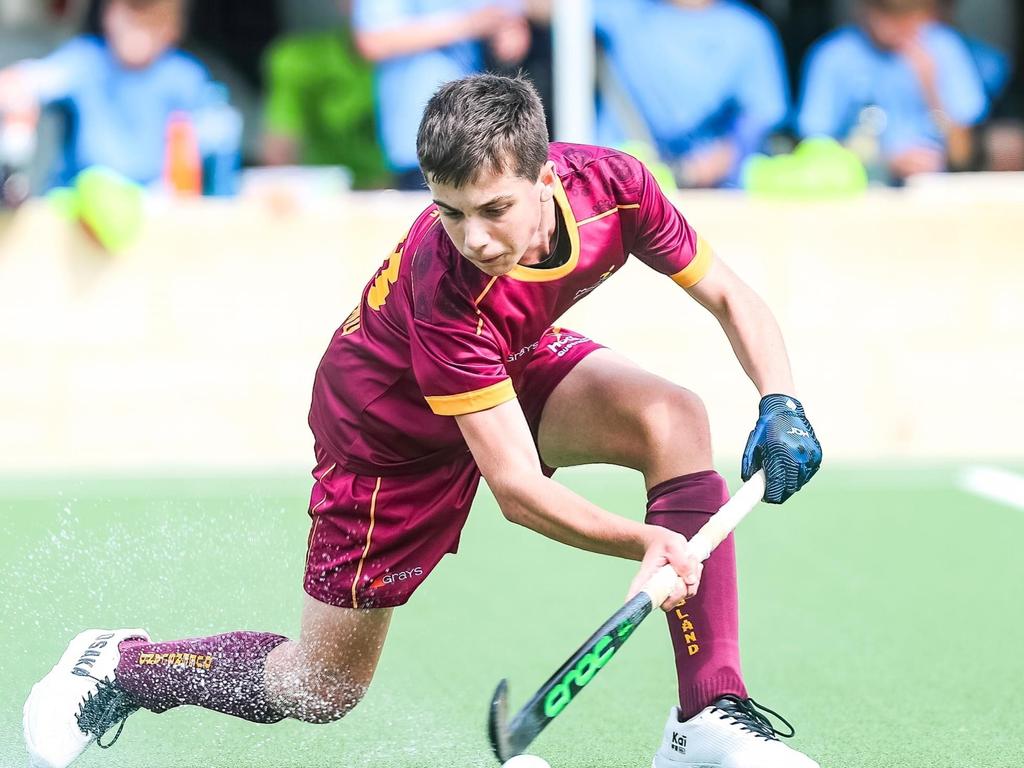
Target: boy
(707,78)
(449,369)
(919,75)
(120,89)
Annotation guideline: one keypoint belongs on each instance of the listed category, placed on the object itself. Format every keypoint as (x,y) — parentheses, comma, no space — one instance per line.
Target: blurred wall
(991,20)
(904,313)
(312,15)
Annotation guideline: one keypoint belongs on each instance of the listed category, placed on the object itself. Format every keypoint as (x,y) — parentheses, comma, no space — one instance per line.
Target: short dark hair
(482,123)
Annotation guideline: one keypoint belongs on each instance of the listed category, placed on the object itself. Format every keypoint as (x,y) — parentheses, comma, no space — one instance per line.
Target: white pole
(572,27)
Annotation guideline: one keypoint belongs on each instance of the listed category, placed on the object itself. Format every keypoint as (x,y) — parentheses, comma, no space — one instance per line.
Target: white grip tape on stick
(711,534)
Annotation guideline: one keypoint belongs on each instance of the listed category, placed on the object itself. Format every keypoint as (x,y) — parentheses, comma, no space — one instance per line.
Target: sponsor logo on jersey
(584,291)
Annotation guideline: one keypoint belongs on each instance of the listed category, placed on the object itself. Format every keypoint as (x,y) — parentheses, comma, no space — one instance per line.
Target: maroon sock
(223,673)
(705,631)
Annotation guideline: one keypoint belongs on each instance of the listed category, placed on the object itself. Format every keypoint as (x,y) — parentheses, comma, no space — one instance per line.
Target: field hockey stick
(512,737)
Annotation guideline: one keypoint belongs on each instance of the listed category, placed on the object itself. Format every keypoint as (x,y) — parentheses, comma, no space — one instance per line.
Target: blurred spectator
(1001,138)
(538,62)
(419,44)
(229,38)
(119,89)
(707,78)
(901,88)
(319,105)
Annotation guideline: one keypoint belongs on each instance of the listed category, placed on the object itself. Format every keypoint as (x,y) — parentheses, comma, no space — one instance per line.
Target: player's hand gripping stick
(512,737)
(710,535)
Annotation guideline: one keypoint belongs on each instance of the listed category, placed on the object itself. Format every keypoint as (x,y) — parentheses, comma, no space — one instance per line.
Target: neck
(540,247)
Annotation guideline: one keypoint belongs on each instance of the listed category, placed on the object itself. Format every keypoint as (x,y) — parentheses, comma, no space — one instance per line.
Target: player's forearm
(757,342)
(551,509)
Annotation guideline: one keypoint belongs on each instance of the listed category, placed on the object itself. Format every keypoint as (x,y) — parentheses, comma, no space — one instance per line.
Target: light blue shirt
(696,74)
(119,115)
(846,72)
(992,64)
(404,84)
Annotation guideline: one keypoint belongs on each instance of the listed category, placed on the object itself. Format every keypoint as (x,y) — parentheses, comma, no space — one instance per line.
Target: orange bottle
(183,165)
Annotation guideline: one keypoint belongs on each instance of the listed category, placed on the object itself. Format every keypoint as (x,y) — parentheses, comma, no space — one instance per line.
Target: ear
(547,181)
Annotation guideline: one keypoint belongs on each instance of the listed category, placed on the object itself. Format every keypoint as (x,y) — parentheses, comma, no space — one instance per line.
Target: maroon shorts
(374,540)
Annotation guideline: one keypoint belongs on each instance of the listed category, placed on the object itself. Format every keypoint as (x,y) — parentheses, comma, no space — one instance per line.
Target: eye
(453,215)
(494,213)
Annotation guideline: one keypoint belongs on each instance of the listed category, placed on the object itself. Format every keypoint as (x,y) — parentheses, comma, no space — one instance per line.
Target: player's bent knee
(329,701)
(316,691)
(676,422)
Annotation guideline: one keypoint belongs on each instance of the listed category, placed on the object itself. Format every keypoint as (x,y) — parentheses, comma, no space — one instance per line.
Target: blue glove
(782,442)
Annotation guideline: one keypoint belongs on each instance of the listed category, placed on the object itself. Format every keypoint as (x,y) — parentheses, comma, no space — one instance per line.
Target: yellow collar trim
(532,275)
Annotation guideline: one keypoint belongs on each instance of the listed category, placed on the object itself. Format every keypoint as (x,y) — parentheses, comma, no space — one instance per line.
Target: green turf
(881,614)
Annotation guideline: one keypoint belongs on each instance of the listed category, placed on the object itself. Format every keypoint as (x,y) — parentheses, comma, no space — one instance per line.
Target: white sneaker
(730,733)
(78,701)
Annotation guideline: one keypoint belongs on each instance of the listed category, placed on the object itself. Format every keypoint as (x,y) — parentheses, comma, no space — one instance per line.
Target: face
(500,220)
(892,31)
(138,35)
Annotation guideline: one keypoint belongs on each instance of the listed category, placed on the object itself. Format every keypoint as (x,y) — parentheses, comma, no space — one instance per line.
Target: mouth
(491,260)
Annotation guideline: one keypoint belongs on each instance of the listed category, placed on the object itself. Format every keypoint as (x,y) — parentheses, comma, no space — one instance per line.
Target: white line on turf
(994,484)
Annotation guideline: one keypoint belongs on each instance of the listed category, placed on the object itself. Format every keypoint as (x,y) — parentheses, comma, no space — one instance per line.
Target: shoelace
(99,711)
(749,715)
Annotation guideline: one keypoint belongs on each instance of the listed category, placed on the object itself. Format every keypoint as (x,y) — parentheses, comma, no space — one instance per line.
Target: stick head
(497,726)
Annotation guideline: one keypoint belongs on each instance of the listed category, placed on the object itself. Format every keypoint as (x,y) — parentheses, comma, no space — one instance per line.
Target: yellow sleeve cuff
(694,272)
(471,402)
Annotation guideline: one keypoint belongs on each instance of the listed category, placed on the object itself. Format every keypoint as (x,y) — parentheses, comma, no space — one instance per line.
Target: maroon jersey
(435,337)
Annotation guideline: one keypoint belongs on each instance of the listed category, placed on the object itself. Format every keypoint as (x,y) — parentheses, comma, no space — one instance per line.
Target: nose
(476,236)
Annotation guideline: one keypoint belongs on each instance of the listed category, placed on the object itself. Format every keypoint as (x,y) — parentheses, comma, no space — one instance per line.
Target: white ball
(526,761)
